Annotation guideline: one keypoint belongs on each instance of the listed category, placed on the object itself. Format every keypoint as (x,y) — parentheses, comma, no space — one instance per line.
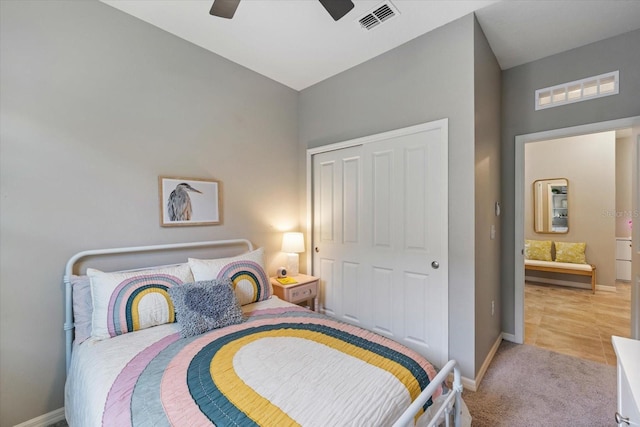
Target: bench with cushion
(564,268)
(569,259)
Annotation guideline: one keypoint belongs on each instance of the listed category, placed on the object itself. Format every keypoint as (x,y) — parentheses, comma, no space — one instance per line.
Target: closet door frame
(440,126)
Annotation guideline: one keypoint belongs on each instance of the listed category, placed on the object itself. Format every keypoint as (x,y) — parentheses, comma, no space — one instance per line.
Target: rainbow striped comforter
(283,366)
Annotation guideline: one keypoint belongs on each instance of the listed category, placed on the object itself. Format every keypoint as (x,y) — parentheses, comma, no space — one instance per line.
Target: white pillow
(246,271)
(208,269)
(127,302)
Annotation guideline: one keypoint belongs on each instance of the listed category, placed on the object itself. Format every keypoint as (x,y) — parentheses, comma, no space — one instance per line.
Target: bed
(204,342)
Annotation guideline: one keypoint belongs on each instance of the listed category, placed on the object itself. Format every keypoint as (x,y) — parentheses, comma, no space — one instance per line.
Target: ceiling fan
(227,8)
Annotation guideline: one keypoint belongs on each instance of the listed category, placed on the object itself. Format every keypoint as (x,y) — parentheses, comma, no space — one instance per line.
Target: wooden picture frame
(188,201)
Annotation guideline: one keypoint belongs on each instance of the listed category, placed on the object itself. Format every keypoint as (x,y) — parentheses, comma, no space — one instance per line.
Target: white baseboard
(510,338)
(44,420)
(473,384)
(469,384)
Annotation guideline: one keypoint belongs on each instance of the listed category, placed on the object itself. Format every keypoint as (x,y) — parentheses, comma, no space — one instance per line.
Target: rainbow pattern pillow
(128,302)
(246,271)
(571,252)
(538,249)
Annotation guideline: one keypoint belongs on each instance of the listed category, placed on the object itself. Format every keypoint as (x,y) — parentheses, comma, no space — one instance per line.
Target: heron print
(179,203)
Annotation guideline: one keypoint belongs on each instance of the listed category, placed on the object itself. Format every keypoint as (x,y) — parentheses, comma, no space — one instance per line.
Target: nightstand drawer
(301,293)
(304,288)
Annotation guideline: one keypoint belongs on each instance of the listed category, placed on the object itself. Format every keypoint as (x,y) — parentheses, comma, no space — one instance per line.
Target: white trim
(518,312)
(635,241)
(488,359)
(473,385)
(309,231)
(469,384)
(436,124)
(509,337)
(44,420)
(520,140)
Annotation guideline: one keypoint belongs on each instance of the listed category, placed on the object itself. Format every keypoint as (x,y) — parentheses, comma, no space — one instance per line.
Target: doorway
(577,201)
(519,287)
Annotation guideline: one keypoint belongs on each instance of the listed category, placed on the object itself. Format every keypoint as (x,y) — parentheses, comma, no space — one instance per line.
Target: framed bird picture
(188,201)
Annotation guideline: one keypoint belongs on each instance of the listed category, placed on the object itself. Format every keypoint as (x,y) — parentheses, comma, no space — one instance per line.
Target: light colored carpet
(528,386)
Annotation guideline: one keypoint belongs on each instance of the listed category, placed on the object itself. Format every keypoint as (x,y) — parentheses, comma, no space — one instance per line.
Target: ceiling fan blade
(224,8)
(337,8)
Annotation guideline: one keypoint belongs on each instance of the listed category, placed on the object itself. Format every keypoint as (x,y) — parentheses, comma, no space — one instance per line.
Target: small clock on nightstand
(305,288)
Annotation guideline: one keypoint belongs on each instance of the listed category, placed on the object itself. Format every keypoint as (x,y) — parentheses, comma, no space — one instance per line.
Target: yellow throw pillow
(538,249)
(571,252)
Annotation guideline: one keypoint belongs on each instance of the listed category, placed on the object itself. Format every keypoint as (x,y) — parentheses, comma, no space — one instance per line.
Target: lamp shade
(293,242)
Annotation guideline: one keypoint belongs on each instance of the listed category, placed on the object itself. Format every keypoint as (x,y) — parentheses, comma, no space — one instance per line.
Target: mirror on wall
(551,205)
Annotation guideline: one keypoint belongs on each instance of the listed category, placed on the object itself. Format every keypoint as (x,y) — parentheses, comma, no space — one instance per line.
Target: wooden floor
(575,321)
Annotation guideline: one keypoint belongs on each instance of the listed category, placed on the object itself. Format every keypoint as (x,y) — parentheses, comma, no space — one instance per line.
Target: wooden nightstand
(306,289)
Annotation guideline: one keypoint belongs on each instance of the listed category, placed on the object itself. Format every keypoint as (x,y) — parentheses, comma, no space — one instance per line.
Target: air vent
(381,13)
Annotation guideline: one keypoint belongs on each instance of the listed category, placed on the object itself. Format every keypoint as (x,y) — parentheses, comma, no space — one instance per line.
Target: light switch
(492,233)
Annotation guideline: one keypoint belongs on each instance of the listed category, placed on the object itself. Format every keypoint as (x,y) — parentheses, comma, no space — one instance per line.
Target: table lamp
(293,244)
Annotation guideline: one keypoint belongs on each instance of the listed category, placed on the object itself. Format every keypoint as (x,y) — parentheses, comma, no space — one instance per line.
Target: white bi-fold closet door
(379,234)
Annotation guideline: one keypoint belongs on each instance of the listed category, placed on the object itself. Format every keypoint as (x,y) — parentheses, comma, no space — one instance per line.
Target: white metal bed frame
(405,419)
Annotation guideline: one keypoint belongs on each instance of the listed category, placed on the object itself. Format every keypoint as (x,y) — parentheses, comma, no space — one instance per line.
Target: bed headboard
(75,259)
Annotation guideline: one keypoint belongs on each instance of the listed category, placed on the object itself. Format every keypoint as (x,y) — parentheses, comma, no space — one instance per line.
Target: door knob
(317,249)
(435,264)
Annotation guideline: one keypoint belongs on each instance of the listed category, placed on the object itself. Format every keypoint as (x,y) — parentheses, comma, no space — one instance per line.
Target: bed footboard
(407,418)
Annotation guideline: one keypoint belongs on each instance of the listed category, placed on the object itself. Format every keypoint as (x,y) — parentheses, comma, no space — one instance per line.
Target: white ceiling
(298,44)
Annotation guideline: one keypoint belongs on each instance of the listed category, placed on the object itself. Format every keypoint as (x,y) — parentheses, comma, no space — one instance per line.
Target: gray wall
(426,79)
(519,118)
(95,105)
(487,193)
